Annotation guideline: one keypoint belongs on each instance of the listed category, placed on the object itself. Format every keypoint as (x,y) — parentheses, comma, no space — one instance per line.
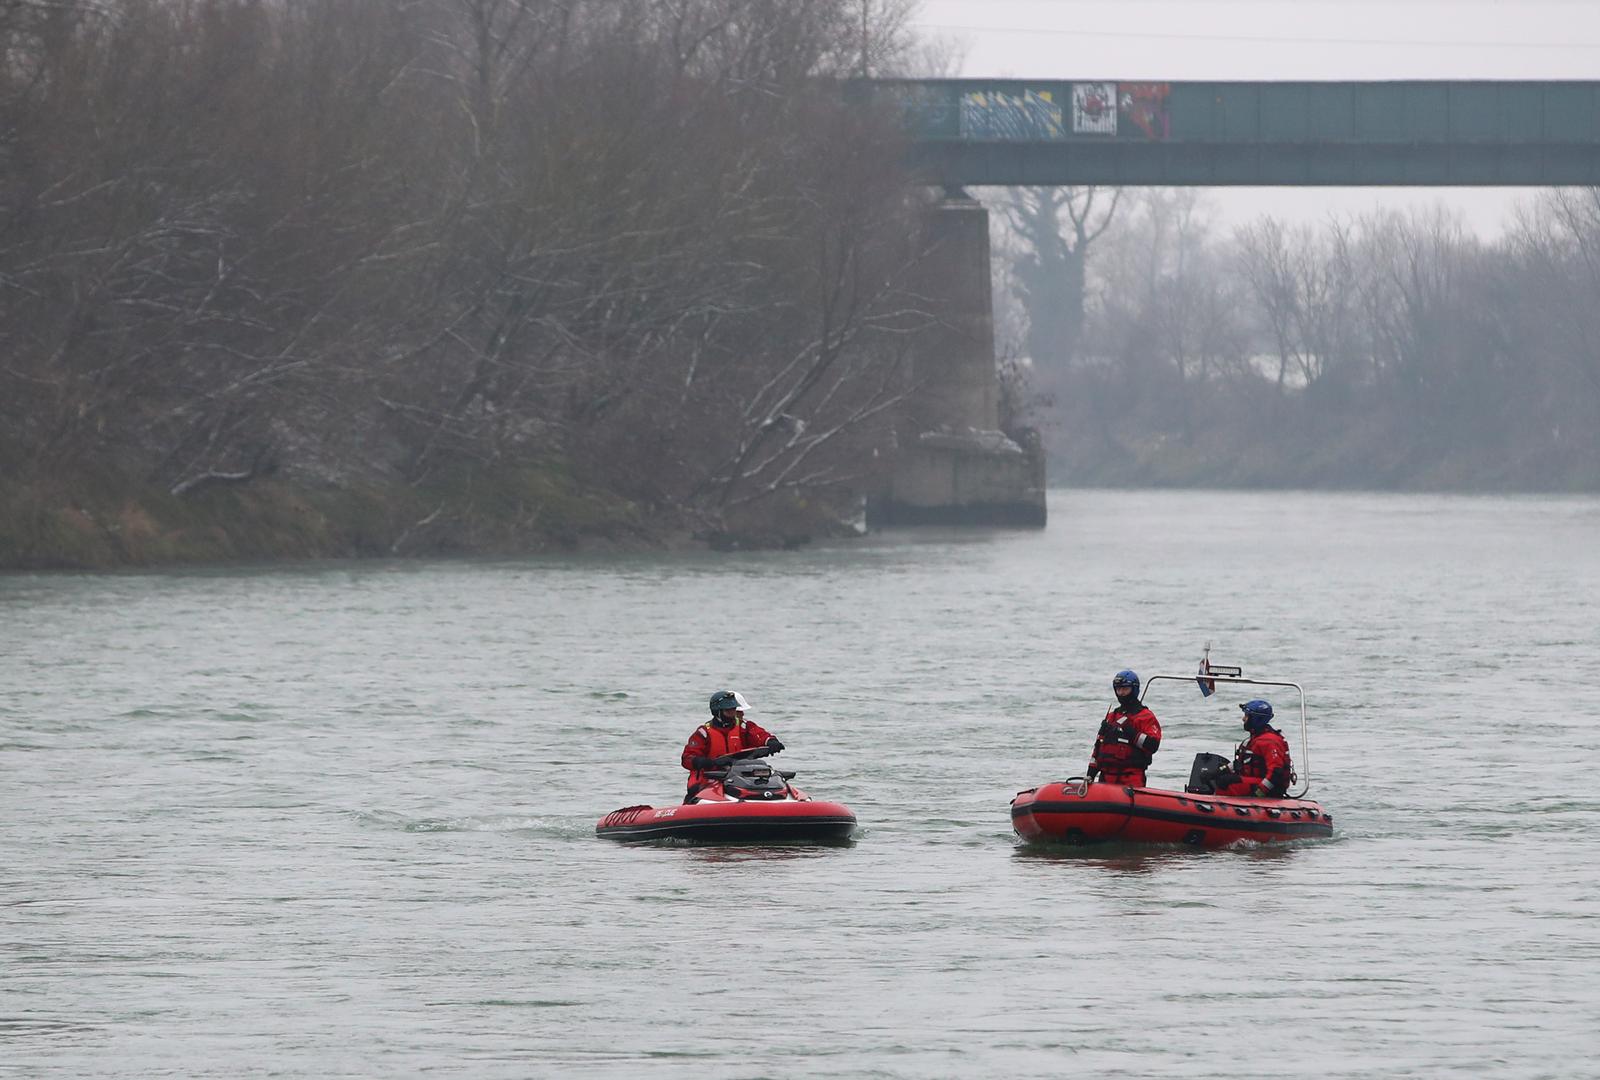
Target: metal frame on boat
(1234,676)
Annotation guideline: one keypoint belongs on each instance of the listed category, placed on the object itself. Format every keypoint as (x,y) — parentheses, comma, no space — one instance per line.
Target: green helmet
(724,700)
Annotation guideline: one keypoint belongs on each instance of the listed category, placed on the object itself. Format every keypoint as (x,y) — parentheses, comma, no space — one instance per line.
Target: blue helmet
(1257,714)
(1126,678)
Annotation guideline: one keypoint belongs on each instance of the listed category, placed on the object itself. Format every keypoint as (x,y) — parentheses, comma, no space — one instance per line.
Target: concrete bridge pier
(952,463)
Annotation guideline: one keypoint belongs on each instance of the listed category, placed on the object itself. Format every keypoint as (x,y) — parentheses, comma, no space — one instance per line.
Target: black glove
(773,744)
(704,762)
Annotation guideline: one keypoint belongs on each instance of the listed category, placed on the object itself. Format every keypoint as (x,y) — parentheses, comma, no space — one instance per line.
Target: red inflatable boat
(1080,812)
(745,802)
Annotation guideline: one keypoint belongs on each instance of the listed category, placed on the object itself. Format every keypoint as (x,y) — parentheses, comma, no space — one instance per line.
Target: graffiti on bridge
(1044,112)
(997,114)
(1108,108)
(1128,110)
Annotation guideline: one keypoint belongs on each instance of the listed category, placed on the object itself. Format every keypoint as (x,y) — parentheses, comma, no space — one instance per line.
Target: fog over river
(337,820)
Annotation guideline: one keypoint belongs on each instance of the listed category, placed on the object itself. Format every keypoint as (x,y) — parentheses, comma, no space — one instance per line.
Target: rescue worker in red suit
(727,732)
(1129,737)
(1261,765)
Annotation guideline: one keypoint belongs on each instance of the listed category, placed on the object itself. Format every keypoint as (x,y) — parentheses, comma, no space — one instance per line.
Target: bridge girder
(965,132)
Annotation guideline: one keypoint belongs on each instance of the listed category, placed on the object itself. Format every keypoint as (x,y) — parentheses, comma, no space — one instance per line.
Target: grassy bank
(103,520)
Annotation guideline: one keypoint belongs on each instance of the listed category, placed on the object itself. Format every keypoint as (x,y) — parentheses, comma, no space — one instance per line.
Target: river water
(337,819)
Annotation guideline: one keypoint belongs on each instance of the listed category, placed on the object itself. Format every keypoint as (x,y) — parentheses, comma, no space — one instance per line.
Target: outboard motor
(1203,773)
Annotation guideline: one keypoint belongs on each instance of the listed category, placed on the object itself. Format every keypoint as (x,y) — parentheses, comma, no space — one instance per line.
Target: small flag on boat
(1207,686)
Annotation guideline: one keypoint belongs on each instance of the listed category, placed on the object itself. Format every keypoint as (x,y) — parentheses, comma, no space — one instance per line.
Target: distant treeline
(628,247)
(1390,350)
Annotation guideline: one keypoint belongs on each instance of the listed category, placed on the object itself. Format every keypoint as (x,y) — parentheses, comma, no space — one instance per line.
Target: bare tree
(1056,227)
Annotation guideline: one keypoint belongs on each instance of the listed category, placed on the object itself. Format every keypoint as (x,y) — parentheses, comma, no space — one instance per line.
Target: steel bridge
(1210,134)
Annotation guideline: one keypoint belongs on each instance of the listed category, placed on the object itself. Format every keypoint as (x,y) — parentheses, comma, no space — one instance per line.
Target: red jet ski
(1080,811)
(744,801)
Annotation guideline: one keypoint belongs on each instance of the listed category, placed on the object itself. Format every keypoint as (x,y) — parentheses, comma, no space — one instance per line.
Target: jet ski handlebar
(743,755)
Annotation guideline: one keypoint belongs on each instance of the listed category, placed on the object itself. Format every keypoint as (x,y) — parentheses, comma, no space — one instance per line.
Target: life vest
(731,740)
(1130,743)
(709,740)
(1264,757)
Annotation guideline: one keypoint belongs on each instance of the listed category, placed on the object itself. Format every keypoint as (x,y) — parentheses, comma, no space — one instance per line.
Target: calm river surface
(338,819)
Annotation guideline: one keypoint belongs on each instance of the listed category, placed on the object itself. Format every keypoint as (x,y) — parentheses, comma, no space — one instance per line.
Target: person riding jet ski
(727,732)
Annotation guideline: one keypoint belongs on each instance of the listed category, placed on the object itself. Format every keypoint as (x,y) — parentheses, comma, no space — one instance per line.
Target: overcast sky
(1168,40)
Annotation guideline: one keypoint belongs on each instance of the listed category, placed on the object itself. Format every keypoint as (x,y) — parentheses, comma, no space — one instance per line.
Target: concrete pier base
(974,478)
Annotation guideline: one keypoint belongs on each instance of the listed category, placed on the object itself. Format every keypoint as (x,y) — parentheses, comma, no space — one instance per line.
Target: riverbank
(106,521)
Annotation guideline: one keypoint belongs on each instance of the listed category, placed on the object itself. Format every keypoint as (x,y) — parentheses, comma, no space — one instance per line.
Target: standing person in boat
(727,732)
(1261,765)
(1129,736)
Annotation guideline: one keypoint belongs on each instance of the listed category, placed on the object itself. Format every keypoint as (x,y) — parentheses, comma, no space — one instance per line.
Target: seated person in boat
(727,732)
(1129,736)
(1261,765)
